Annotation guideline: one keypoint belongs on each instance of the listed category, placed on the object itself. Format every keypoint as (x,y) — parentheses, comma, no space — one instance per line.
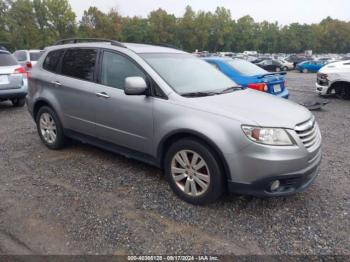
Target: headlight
(268,136)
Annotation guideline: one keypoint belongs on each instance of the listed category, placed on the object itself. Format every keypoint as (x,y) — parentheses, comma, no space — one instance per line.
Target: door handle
(56,83)
(103,94)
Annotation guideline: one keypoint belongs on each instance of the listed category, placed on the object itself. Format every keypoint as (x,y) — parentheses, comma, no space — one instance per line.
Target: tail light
(20,70)
(259,86)
(29,65)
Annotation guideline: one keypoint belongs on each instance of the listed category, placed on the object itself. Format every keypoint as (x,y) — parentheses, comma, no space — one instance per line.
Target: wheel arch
(39,104)
(174,136)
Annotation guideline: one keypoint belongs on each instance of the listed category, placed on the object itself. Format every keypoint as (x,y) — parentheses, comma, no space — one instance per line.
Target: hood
(336,66)
(252,107)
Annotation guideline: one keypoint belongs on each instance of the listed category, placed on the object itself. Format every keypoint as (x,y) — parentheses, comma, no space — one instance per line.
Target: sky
(282,11)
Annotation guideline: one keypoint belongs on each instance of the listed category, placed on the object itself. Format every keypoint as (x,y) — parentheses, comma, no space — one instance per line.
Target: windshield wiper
(199,94)
(230,89)
(212,93)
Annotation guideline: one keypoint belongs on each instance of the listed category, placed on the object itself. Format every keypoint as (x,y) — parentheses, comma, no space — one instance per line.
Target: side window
(52,60)
(115,68)
(79,63)
(20,56)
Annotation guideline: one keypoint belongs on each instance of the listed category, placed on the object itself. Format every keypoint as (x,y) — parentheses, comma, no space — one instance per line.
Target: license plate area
(4,80)
(277,88)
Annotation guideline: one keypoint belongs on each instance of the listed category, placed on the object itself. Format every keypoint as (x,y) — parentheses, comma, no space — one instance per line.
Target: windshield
(246,68)
(187,74)
(34,56)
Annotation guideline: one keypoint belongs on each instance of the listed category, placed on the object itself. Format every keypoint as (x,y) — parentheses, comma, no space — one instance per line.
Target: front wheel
(50,128)
(285,68)
(18,102)
(305,71)
(343,92)
(194,172)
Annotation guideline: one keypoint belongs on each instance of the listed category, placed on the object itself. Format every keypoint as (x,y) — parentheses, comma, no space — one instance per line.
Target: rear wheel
(285,68)
(194,172)
(18,102)
(278,69)
(50,128)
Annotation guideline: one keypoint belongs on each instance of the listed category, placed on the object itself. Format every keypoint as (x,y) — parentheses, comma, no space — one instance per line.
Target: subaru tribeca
(170,109)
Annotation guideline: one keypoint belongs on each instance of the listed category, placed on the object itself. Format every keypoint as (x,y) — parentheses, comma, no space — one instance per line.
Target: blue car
(310,66)
(251,76)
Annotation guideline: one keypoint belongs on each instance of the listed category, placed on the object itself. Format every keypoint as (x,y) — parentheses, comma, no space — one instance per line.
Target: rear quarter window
(79,63)
(52,60)
(7,59)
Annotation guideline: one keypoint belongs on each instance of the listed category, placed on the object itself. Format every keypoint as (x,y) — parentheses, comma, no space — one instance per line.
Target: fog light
(275,185)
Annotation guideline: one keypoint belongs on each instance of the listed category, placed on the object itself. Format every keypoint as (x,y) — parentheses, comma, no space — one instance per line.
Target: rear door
(121,119)
(73,87)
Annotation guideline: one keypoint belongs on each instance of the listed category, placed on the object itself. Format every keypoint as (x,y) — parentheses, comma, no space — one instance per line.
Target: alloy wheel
(48,128)
(190,173)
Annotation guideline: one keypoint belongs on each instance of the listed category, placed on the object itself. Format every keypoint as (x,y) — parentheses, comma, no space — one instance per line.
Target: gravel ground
(83,200)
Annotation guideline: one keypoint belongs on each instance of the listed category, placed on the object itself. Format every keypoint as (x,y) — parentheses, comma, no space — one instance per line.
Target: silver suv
(13,80)
(170,109)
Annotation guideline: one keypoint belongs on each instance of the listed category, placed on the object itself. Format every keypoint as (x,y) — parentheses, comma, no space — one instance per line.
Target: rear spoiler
(271,74)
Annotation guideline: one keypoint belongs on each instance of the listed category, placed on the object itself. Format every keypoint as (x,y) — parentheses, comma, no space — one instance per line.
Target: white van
(334,78)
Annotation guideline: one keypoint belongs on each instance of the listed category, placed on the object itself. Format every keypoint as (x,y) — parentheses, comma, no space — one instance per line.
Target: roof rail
(166,45)
(82,40)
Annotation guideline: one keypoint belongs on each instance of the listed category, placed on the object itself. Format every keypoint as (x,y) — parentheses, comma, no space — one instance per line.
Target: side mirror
(135,86)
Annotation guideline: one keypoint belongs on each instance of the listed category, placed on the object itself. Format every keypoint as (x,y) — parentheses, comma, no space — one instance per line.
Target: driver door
(121,119)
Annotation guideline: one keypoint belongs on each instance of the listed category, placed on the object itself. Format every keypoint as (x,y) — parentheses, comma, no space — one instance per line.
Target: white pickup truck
(334,78)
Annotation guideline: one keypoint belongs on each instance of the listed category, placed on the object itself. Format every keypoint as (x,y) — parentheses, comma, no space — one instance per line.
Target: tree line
(32,24)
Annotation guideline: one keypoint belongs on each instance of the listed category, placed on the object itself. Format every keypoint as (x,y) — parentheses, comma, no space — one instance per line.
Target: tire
(305,71)
(18,102)
(52,124)
(210,173)
(278,69)
(343,92)
(285,68)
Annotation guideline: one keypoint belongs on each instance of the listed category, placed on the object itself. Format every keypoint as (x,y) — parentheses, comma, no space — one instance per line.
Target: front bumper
(322,90)
(253,169)
(289,183)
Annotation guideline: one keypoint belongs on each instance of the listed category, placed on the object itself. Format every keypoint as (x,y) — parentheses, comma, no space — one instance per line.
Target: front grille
(309,133)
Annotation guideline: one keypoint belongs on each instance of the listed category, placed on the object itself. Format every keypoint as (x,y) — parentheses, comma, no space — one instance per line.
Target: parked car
(248,75)
(310,66)
(2,47)
(28,58)
(286,65)
(271,65)
(297,59)
(334,79)
(13,80)
(173,110)
(259,59)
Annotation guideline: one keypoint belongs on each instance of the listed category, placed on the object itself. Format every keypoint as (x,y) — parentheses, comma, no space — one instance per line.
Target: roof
(31,50)
(137,48)
(218,58)
(144,48)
